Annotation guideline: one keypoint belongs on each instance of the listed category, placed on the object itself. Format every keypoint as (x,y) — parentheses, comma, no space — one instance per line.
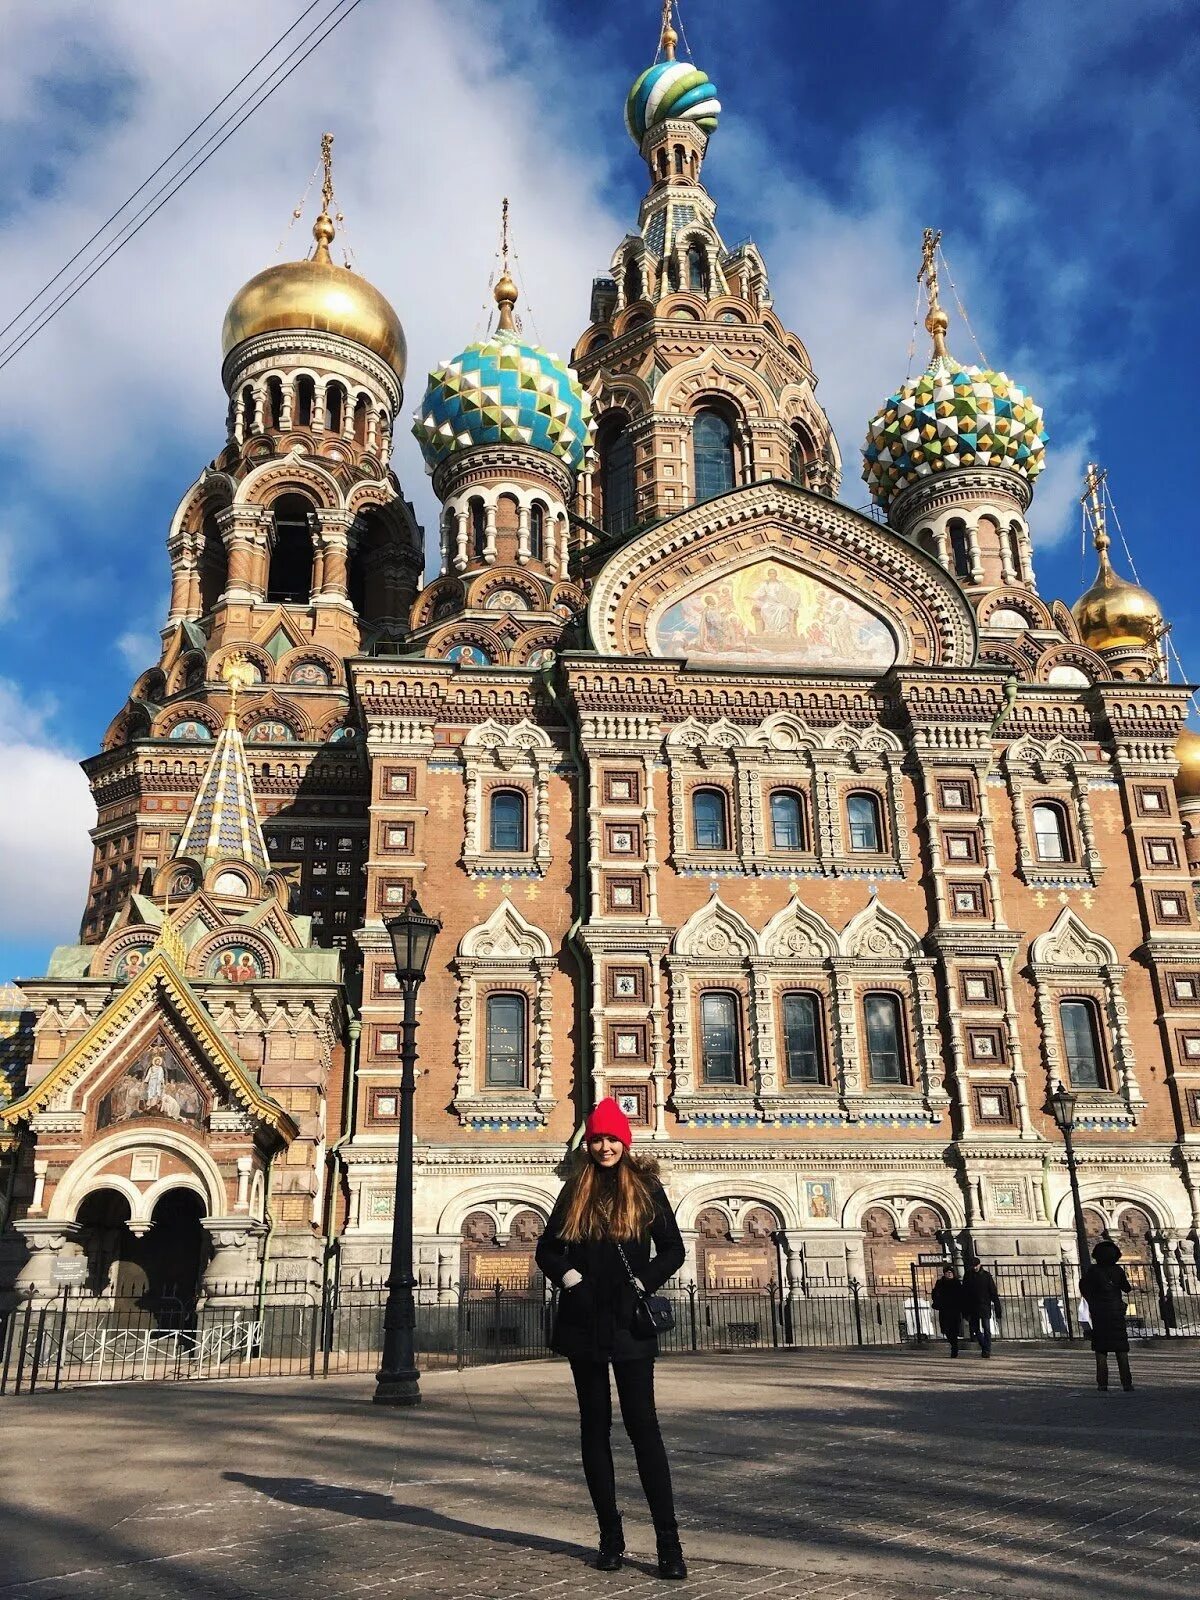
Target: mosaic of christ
(770,613)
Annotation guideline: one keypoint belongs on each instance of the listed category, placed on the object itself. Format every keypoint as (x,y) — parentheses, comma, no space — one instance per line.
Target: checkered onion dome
(504,391)
(952,416)
(671,91)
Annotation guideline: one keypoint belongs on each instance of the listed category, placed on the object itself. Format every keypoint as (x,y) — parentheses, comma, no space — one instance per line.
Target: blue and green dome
(671,91)
(504,391)
(952,416)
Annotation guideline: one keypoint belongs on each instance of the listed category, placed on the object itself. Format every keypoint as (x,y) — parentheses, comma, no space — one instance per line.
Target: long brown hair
(617,1203)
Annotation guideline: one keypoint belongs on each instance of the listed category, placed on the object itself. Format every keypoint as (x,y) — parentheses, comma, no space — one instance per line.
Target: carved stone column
(236,1256)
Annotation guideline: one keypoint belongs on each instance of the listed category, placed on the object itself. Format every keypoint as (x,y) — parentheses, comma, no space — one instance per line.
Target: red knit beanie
(607,1117)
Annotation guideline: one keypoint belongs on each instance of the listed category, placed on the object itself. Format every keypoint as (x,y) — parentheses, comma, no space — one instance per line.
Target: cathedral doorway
(175,1249)
(109,1245)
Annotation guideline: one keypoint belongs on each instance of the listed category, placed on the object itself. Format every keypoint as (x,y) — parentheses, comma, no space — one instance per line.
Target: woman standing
(596,1248)
(1104,1287)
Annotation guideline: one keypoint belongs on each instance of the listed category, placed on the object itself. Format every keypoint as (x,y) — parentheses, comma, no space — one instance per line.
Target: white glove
(571,1278)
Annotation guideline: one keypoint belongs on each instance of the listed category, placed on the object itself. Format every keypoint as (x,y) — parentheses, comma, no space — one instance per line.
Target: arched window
(505,1042)
(335,407)
(802,455)
(633,283)
(214,566)
(663,164)
(362,413)
(289,578)
(712,454)
(804,1058)
(305,396)
(537,531)
(697,269)
(615,448)
(478,528)
(787,820)
(679,160)
(247,410)
(720,1038)
(673,273)
(710,821)
(1051,840)
(506,820)
(1081,1043)
(866,831)
(1014,548)
(274,403)
(885,1039)
(960,549)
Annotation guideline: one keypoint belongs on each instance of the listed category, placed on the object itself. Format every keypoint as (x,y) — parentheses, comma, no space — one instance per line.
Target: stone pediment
(154,1051)
(773,575)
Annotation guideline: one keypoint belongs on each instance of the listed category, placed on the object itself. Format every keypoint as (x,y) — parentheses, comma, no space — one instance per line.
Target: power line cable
(166,161)
(172,187)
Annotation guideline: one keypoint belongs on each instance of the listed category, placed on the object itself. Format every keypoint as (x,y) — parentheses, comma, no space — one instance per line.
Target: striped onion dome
(671,91)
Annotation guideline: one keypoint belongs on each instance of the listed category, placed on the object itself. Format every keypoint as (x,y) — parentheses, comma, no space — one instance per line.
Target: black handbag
(652,1313)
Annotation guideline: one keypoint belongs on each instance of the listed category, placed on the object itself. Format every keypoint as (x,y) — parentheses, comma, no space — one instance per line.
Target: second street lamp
(1062,1105)
(397,1383)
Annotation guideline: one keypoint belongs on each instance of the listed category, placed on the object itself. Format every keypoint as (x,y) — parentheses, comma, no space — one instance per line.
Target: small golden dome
(1187,779)
(1114,614)
(320,296)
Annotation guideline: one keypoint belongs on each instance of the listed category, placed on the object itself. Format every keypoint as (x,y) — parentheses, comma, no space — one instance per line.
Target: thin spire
(1093,505)
(668,38)
(323,228)
(506,290)
(223,823)
(936,320)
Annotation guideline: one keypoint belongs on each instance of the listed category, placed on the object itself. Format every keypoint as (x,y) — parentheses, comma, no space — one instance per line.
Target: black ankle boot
(612,1548)
(670,1557)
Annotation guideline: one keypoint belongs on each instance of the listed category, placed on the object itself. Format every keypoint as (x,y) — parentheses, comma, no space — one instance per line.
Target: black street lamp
(397,1383)
(1062,1104)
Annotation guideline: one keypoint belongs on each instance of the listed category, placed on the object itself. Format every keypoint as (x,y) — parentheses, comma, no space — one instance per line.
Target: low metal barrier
(321,1331)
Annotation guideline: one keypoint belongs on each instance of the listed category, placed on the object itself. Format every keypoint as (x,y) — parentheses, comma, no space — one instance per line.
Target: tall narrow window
(710,825)
(679,160)
(289,576)
(1081,1042)
(274,403)
(478,528)
(505,1067)
(305,395)
(960,550)
(335,407)
(507,820)
(712,452)
(802,455)
(802,1038)
(537,531)
(720,1041)
(1050,839)
(362,413)
(885,1040)
(787,821)
(633,283)
(616,477)
(247,410)
(862,813)
(1014,548)
(697,269)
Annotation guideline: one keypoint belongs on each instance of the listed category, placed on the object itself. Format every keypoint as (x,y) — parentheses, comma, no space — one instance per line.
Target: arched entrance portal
(175,1250)
(108,1244)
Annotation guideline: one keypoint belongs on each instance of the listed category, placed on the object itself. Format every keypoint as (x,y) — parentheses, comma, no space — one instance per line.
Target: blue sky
(1056,146)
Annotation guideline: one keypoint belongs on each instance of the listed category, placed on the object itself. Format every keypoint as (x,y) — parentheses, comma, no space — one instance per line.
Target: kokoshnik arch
(822,840)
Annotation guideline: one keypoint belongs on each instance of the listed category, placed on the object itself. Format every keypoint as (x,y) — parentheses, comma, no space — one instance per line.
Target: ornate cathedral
(820,839)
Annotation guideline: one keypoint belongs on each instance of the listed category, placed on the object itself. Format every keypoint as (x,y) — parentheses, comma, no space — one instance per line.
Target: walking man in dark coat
(979,1301)
(1104,1287)
(947,1301)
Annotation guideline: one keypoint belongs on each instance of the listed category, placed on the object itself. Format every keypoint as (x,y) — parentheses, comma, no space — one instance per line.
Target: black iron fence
(316,1332)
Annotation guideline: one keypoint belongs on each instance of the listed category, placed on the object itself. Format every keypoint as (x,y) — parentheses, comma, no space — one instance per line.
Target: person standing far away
(947,1301)
(1104,1287)
(613,1205)
(979,1301)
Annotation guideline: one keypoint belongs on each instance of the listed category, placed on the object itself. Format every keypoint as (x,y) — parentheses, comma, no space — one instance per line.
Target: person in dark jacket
(1104,1287)
(613,1204)
(947,1301)
(979,1301)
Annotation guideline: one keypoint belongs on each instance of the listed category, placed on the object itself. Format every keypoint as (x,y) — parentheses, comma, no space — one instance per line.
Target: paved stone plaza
(826,1474)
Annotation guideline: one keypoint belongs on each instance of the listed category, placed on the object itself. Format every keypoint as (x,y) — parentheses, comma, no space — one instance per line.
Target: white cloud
(45,812)
(138,649)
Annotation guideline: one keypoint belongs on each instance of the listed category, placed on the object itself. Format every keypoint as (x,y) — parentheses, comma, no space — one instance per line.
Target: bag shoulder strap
(625,1264)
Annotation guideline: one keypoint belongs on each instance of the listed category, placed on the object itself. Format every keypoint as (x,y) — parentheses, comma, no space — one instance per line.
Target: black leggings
(635,1390)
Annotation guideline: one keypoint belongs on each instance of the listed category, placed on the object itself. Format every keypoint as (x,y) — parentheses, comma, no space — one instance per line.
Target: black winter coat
(1104,1289)
(947,1301)
(595,1319)
(979,1294)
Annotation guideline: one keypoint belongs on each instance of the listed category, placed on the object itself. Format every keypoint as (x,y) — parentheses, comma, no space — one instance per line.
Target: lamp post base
(398,1388)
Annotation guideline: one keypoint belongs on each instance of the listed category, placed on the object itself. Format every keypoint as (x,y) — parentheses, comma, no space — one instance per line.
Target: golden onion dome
(319,296)
(1115,614)
(1187,751)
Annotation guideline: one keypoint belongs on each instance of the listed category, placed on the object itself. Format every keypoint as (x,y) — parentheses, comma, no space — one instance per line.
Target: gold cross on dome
(327,163)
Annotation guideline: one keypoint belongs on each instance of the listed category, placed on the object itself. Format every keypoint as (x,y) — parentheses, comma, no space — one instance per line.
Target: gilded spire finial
(237,673)
(323,229)
(1093,504)
(936,322)
(505,291)
(668,38)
